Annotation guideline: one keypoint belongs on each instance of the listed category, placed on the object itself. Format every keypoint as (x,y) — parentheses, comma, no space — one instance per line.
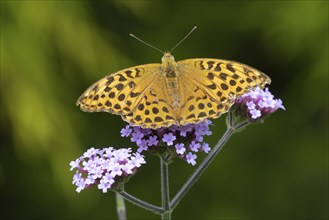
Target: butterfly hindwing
(198,104)
(153,110)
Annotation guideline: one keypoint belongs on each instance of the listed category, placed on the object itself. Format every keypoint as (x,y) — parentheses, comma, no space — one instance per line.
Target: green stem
(121,208)
(231,129)
(142,204)
(165,194)
(197,173)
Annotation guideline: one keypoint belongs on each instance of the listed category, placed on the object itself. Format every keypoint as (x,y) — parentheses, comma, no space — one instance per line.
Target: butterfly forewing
(227,77)
(120,92)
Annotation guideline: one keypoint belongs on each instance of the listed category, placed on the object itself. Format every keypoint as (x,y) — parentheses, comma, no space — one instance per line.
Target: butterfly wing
(136,93)
(118,93)
(214,85)
(154,109)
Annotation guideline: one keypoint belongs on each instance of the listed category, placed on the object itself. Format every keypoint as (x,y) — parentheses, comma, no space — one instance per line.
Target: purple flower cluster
(259,103)
(184,141)
(104,167)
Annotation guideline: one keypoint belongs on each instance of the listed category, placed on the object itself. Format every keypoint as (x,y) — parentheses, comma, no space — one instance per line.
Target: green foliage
(51,51)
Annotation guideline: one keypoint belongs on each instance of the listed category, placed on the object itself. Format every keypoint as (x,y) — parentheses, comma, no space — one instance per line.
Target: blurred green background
(51,51)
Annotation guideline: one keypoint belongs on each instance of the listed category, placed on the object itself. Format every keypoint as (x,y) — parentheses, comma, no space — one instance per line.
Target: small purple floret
(190,158)
(152,141)
(180,149)
(169,139)
(125,132)
(194,146)
(205,147)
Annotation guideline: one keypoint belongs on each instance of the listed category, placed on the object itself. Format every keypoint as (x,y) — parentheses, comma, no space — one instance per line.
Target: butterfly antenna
(183,38)
(131,35)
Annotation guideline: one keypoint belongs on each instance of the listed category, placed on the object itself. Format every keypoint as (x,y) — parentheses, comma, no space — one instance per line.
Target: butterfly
(172,93)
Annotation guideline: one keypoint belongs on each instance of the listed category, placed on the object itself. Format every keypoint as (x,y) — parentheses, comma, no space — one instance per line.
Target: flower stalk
(231,129)
(141,203)
(121,207)
(165,194)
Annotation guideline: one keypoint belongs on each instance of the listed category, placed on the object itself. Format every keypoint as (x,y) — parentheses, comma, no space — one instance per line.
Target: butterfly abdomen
(173,90)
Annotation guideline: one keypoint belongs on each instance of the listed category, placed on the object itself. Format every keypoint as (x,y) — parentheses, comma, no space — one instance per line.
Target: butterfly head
(169,64)
(167,57)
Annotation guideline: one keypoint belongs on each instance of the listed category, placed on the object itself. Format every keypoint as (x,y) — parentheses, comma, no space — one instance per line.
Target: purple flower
(169,138)
(104,167)
(121,154)
(205,147)
(180,148)
(184,130)
(175,140)
(80,185)
(89,180)
(251,105)
(137,137)
(142,145)
(152,141)
(255,113)
(75,164)
(137,160)
(195,146)
(76,177)
(128,167)
(116,170)
(259,103)
(125,132)
(105,184)
(190,158)
(90,152)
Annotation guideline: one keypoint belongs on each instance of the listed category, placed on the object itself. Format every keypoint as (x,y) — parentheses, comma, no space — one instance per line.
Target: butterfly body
(172,93)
